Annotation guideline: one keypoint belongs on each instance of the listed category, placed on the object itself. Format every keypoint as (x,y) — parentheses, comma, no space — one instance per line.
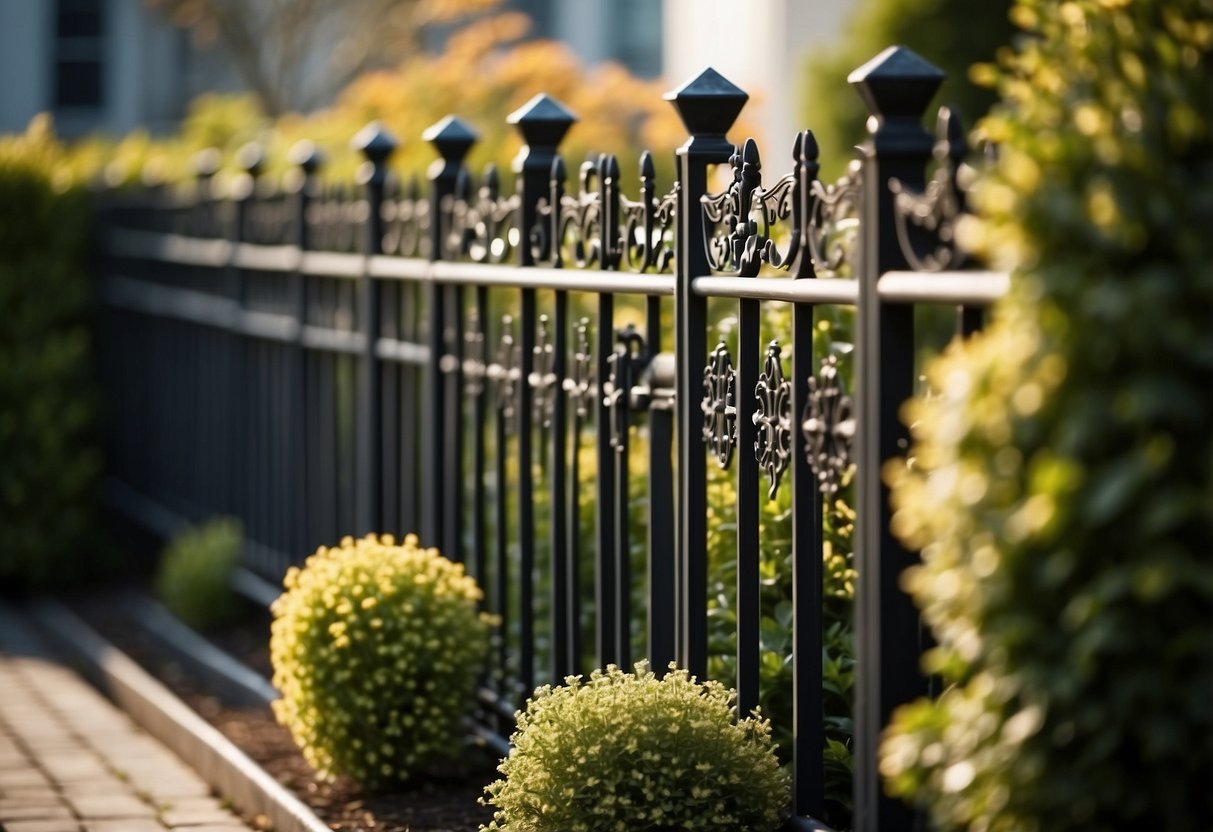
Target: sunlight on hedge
(1059,481)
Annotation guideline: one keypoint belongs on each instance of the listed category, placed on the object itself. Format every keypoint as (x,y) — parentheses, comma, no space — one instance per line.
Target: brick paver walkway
(72,762)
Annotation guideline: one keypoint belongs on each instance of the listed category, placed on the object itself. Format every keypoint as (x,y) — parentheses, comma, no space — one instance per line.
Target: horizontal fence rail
(529,381)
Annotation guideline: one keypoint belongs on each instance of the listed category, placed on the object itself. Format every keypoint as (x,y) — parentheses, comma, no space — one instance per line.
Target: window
(79,69)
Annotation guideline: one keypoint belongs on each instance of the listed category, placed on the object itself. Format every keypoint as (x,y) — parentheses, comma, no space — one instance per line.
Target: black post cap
(452,137)
(708,104)
(306,156)
(543,121)
(897,83)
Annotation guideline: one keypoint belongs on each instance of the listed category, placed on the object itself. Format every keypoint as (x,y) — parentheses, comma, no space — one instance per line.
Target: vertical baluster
(243,376)
(503,415)
(452,138)
(542,122)
(476,346)
(896,86)
(662,578)
(308,160)
(808,788)
(578,384)
(749,358)
(708,106)
(376,144)
(563,591)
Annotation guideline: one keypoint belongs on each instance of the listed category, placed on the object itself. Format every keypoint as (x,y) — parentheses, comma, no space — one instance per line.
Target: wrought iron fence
(319,359)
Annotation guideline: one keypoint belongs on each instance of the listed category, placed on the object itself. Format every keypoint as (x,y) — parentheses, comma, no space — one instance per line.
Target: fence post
(307,159)
(543,122)
(896,85)
(376,144)
(441,447)
(708,106)
(249,158)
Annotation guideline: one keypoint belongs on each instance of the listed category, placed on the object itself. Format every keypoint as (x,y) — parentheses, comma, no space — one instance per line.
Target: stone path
(72,762)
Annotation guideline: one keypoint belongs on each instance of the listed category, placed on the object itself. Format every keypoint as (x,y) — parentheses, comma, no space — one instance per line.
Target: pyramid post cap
(451,136)
(206,162)
(709,103)
(543,121)
(898,82)
(251,158)
(375,142)
(306,155)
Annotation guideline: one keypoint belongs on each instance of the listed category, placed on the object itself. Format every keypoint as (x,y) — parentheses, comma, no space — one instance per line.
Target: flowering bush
(631,751)
(376,648)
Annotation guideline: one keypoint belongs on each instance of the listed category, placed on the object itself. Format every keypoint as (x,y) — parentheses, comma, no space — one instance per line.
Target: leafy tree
(617,112)
(954,34)
(1061,485)
(294,54)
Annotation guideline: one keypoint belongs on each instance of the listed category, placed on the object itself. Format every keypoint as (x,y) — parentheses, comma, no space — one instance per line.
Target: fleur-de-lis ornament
(580,382)
(506,373)
(828,427)
(719,405)
(629,347)
(474,357)
(543,376)
(773,418)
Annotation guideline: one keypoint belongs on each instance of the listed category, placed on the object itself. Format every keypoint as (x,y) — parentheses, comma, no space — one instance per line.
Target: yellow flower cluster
(631,751)
(376,648)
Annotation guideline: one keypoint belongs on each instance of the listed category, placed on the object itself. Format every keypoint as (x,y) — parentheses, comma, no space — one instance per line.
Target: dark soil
(445,801)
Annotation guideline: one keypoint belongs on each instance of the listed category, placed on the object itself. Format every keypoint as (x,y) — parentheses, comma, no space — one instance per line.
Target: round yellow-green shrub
(376,648)
(629,751)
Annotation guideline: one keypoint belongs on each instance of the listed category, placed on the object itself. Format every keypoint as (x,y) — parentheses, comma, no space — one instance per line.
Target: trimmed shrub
(631,751)
(1061,485)
(376,648)
(194,579)
(49,460)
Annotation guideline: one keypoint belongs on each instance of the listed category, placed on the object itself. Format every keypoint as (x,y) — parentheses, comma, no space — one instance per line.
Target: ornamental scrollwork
(648,223)
(580,383)
(773,418)
(542,378)
(597,226)
(935,210)
(267,217)
(719,405)
(828,427)
(474,357)
(406,222)
(740,232)
(833,223)
(623,364)
(335,218)
(506,374)
(484,227)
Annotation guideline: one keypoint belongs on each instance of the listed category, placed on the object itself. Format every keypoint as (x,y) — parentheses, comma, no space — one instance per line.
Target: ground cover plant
(376,647)
(1061,476)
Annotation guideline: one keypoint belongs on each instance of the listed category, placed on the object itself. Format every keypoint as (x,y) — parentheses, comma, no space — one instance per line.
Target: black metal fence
(320,360)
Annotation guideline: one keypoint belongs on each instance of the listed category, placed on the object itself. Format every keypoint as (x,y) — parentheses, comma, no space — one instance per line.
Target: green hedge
(1061,483)
(49,464)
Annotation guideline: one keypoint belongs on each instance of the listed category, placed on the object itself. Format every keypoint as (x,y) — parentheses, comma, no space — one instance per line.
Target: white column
(760,45)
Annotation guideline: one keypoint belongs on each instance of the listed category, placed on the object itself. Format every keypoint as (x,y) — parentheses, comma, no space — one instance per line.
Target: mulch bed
(445,801)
